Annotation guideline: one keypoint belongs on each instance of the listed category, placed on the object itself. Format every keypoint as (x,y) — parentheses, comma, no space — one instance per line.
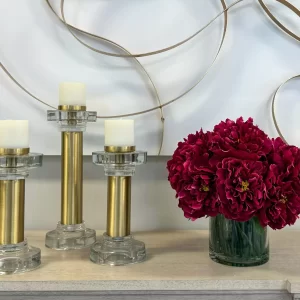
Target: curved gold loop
(138,54)
(22,87)
(156,94)
(273,107)
(275,20)
(160,106)
(14,151)
(225,12)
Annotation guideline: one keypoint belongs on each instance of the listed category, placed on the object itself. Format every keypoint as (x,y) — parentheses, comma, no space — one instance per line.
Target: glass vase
(240,244)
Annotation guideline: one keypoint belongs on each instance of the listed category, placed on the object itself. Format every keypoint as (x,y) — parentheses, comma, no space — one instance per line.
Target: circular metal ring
(119,149)
(72,107)
(273,107)
(16,151)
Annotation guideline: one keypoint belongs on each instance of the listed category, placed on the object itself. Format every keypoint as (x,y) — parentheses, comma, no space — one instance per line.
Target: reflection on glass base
(118,251)
(238,261)
(18,258)
(70,237)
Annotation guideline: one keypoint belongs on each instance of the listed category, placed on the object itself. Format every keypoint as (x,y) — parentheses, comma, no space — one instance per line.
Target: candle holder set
(117,246)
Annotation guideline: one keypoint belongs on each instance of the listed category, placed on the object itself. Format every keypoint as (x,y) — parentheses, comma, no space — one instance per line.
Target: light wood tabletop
(177,261)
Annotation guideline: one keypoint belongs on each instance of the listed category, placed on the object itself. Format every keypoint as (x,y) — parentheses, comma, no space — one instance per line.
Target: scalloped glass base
(18,258)
(118,251)
(70,237)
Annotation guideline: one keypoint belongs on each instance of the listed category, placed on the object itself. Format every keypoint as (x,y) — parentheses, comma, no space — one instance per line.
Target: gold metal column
(12,199)
(71,188)
(118,247)
(119,197)
(71,171)
(118,206)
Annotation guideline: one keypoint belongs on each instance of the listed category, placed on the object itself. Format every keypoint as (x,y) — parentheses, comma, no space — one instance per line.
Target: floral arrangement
(238,171)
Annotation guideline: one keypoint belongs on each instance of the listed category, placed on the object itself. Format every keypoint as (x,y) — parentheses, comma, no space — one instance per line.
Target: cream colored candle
(72,93)
(14,134)
(119,133)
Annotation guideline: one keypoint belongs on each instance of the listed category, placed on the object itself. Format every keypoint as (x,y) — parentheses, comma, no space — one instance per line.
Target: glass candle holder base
(118,251)
(18,258)
(70,237)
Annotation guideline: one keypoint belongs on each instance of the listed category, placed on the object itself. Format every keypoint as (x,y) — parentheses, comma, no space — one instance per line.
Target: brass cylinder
(12,200)
(119,149)
(71,189)
(72,107)
(14,152)
(118,206)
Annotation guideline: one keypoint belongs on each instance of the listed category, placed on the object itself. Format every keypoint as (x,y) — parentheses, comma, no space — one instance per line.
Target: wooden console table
(178,267)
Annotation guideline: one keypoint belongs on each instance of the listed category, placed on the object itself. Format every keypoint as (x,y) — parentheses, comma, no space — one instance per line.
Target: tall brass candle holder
(71,232)
(117,246)
(16,256)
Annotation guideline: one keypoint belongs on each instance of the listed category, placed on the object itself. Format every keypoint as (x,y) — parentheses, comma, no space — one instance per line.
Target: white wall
(154,206)
(256,58)
(153,201)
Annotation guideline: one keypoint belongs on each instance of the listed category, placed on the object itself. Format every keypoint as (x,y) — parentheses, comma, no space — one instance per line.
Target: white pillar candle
(119,133)
(72,93)
(14,134)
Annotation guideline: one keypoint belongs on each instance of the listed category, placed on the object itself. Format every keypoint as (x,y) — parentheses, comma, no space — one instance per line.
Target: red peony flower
(239,139)
(192,147)
(237,171)
(283,184)
(192,177)
(241,188)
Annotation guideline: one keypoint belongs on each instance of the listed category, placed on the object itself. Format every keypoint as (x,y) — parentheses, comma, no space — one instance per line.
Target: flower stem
(238,243)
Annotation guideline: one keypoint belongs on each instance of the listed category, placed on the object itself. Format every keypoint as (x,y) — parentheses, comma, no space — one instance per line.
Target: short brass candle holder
(16,256)
(117,246)
(71,232)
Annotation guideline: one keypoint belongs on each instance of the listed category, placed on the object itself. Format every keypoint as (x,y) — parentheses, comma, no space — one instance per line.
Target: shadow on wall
(154,206)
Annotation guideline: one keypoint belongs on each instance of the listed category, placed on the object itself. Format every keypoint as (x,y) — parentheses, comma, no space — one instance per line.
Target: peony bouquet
(239,172)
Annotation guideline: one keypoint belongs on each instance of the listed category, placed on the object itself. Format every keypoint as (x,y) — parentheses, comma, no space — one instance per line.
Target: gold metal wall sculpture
(72,29)
(273,106)
(160,105)
(277,22)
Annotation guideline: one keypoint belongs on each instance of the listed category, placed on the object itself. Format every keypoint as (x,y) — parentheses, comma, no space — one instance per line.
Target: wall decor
(250,28)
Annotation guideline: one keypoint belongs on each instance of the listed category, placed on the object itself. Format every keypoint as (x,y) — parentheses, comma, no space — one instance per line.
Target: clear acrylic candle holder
(14,167)
(72,120)
(70,237)
(71,232)
(115,248)
(16,256)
